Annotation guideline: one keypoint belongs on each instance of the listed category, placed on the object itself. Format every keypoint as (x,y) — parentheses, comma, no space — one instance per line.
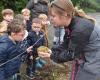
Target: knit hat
(65,5)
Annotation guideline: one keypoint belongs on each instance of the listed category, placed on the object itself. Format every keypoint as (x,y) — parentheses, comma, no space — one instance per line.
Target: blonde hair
(81,13)
(43,16)
(61,6)
(44,27)
(3,28)
(7,11)
(25,10)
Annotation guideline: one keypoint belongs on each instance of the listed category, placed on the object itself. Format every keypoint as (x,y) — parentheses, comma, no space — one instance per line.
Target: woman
(81,41)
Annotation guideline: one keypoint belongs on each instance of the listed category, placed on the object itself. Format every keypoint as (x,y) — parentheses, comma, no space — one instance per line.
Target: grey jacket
(41,7)
(83,47)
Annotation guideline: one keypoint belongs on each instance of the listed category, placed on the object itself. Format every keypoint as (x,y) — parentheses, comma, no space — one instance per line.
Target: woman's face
(59,20)
(55,18)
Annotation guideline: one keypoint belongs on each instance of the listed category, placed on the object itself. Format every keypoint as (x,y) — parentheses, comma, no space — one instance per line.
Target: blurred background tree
(88,5)
(17,5)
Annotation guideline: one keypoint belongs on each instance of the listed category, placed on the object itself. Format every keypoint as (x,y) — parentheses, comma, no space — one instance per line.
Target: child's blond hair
(25,10)
(43,17)
(7,11)
(3,28)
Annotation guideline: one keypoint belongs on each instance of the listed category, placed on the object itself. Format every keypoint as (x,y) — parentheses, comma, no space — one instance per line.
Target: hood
(5,39)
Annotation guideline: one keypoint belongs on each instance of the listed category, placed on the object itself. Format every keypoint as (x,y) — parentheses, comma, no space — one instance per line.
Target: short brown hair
(15,26)
(36,20)
(7,11)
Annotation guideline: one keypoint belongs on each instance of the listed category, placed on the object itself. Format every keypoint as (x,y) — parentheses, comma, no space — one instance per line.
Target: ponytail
(81,13)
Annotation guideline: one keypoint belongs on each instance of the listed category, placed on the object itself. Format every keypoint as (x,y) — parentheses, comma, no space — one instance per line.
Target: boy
(26,13)
(36,39)
(8,15)
(11,50)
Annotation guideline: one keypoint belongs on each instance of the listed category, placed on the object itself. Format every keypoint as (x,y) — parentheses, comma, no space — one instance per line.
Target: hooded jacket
(38,40)
(41,7)
(8,51)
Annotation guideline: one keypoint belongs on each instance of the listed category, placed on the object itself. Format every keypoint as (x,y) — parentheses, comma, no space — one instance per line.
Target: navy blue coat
(33,38)
(9,50)
(28,24)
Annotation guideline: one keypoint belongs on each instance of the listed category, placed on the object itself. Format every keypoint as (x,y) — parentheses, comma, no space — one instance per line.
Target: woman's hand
(44,55)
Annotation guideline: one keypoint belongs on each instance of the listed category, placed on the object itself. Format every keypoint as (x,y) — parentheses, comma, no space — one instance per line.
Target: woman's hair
(62,6)
(15,26)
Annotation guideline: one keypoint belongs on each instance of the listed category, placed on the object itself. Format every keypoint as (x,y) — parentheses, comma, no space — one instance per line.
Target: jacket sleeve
(79,39)
(60,55)
(3,58)
(30,4)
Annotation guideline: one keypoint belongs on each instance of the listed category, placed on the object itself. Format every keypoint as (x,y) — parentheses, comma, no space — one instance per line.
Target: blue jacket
(33,38)
(28,24)
(9,50)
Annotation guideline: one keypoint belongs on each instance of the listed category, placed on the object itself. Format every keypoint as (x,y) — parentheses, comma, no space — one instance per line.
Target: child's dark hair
(15,26)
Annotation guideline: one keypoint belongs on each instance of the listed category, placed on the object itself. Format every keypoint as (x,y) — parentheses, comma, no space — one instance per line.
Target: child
(36,39)
(26,13)
(44,23)
(11,50)
(58,35)
(20,17)
(2,29)
(8,15)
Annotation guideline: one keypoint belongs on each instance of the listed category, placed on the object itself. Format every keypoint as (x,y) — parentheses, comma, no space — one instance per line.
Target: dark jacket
(9,50)
(28,25)
(37,8)
(82,46)
(38,40)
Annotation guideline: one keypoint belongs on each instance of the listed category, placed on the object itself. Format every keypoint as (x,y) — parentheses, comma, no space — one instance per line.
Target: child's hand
(29,49)
(44,22)
(44,55)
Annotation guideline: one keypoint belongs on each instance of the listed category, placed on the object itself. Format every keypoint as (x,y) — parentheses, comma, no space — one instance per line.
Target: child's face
(8,17)
(19,36)
(26,15)
(36,27)
(44,22)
